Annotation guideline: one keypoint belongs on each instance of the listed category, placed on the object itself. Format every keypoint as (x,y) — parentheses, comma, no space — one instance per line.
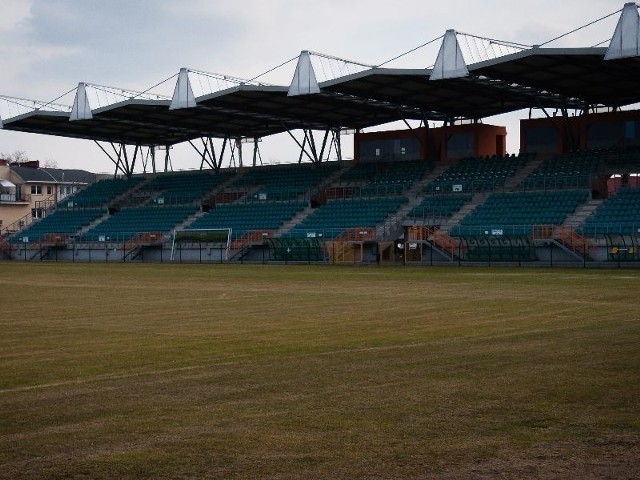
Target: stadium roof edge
(538,51)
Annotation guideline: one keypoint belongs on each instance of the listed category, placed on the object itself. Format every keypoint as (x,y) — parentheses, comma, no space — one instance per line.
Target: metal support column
(239,149)
(338,144)
(303,150)
(167,157)
(120,158)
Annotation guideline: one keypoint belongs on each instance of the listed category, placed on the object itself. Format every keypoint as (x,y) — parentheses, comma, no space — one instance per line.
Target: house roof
(52,175)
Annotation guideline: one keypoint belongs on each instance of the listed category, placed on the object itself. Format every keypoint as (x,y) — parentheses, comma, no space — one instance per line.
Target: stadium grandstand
(449,193)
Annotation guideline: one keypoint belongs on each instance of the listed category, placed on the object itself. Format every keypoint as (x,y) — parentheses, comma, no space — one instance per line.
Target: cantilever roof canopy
(535,78)
(550,78)
(245,111)
(579,74)
(577,78)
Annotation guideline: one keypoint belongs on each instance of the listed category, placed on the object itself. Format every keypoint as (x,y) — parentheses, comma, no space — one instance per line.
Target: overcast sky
(48,46)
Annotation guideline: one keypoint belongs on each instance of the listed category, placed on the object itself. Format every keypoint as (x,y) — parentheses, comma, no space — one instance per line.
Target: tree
(19,156)
(50,163)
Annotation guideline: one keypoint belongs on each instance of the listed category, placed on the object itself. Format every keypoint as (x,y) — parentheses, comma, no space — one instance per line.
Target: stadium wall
(561,135)
(612,252)
(441,144)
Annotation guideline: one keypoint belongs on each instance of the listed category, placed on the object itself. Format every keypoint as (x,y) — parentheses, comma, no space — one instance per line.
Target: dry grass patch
(166,371)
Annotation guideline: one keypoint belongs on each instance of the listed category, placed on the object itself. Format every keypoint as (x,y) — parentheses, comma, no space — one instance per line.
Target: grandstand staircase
(512,184)
(329,180)
(189,220)
(341,252)
(566,238)
(421,184)
(582,212)
(134,247)
(392,227)
(466,209)
(243,244)
(284,229)
(346,247)
(46,244)
(98,220)
(445,244)
(133,197)
(442,243)
(210,198)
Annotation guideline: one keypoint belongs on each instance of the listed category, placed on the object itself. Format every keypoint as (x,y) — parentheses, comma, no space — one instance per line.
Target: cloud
(14,13)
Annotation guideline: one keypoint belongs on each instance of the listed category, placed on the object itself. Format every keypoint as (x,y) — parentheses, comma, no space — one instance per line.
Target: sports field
(191,371)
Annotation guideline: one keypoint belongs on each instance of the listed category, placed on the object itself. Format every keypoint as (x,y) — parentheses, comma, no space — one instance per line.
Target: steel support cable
(485,51)
(410,51)
(466,41)
(480,49)
(200,82)
(18,102)
(330,67)
(505,43)
(58,98)
(323,72)
(125,93)
(156,85)
(344,60)
(272,69)
(336,67)
(601,43)
(580,28)
(493,51)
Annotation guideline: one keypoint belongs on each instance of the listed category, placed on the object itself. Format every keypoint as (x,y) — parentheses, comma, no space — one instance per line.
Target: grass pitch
(191,371)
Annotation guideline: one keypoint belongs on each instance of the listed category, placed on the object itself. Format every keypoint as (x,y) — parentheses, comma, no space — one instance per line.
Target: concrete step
(582,212)
(512,184)
(466,209)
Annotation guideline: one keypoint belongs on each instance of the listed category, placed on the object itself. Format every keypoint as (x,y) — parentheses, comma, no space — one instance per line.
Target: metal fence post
(431,254)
